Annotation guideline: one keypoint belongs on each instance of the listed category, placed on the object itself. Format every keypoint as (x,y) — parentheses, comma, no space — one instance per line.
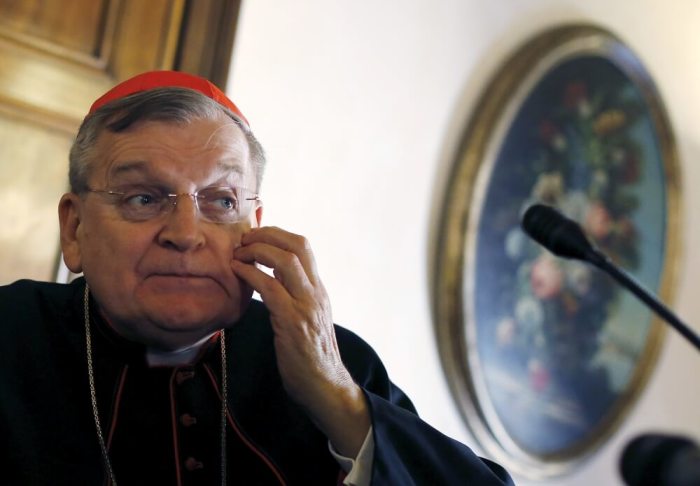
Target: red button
(187,420)
(192,464)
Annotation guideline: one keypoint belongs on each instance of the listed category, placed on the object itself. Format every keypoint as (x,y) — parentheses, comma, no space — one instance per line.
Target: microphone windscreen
(559,234)
(657,459)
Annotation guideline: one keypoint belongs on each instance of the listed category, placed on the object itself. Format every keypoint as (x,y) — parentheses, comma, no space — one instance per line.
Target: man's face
(166,281)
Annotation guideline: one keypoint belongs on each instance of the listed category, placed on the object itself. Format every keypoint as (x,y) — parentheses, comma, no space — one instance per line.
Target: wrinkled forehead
(170,152)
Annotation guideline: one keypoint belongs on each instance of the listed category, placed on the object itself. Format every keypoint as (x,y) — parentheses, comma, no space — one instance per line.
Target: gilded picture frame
(544,356)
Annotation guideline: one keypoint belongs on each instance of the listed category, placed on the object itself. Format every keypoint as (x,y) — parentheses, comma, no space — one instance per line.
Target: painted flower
(598,222)
(600,182)
(574,94)
(529,314)
(548,130)
(505,331)
(552,135)
(625,229)
(546,277)
(539,375)
(515,243)
(575,205)
(609,121)
(631,170)
(626,164)
(578,278)
(576,97)
(549,188)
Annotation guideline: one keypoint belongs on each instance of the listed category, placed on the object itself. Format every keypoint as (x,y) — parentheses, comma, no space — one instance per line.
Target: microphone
(559,234)
(660,460)
(565,238)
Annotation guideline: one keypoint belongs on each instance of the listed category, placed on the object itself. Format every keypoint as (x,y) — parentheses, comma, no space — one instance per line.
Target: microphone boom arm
(627,281)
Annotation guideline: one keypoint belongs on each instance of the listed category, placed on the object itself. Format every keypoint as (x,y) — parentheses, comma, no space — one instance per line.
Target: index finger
(286,241)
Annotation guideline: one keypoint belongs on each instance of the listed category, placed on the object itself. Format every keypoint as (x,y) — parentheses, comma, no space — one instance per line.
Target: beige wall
(359,105)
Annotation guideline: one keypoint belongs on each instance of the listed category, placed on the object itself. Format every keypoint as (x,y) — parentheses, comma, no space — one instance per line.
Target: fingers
(270,289)
(287,254)
(287,269)
(284,240)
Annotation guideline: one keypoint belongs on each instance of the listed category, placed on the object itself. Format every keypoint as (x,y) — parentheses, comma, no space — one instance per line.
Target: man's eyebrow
(231,165)
(137,166)
(225,166)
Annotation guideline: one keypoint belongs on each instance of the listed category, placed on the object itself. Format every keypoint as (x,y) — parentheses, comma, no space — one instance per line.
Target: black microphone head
(559,234)
(660,459)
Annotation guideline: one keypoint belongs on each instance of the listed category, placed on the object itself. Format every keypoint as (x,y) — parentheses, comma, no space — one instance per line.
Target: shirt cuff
(359,470)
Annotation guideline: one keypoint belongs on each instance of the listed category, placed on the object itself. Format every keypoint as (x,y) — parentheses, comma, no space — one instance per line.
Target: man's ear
(258,214)
(69,218)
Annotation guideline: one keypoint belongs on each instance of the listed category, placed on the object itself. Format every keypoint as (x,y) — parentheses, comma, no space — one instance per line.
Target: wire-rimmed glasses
(215,204)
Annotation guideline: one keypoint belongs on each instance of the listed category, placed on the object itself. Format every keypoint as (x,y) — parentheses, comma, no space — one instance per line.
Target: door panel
(56,57)
(73,25)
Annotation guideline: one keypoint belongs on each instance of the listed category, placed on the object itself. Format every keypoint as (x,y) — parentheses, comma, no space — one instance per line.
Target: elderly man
(157,367)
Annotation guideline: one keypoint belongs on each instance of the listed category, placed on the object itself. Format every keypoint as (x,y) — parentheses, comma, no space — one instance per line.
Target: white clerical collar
(178,357)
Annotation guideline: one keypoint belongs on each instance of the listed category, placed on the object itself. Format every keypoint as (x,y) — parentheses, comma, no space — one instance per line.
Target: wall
(360,105)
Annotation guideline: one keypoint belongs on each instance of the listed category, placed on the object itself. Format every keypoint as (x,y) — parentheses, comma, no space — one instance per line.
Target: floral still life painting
(547,324)
(559,347)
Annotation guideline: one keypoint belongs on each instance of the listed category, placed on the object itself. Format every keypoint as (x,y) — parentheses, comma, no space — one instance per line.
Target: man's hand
(305,343)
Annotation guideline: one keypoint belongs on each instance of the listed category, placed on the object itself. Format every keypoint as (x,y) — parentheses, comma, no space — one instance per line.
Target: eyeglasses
(215,204)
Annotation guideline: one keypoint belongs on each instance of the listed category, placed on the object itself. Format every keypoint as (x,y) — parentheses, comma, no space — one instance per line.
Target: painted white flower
(505,331)
(578,277)
(515,243)
(585,109)
(549,187)
(546,277)
(599,182)
(575,205)
(529,313)
(559,143)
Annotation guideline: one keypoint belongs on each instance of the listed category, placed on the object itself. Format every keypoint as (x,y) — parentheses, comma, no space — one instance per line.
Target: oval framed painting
(545,356)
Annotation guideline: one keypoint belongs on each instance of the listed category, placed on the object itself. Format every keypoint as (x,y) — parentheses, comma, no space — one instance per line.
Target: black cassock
(162,424)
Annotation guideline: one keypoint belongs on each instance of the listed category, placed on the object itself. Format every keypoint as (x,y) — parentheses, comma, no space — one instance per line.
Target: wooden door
(56,57)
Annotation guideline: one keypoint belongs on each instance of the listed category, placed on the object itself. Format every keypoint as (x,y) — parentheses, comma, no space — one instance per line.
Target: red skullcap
(166,79)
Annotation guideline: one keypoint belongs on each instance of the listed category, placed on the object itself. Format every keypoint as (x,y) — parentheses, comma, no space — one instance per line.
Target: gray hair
(173,105)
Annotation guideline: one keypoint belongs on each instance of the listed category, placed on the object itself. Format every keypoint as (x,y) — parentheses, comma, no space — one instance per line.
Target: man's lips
(180,275)
(180,280)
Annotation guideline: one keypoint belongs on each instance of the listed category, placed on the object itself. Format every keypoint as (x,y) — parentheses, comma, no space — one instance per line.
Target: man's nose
(182,228)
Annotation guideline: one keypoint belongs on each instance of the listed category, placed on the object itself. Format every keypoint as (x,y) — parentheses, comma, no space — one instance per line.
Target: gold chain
(93,395)
(224,403)
(91,379)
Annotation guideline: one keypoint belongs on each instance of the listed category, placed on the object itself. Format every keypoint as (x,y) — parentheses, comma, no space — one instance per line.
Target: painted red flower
(574,94)
(548,130)
(539,375)
(598,221)
(546,277)
(625,229)
(631,170)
